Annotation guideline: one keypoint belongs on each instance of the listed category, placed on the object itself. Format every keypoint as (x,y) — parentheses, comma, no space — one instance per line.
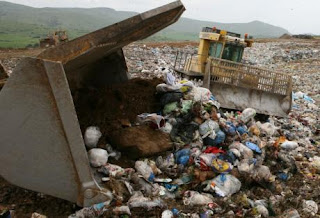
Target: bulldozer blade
(240,98)
(42,148)
(41,142)
(86,55)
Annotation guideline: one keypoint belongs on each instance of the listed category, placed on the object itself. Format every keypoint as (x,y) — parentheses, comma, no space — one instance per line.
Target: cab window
(232,53)
(215,49)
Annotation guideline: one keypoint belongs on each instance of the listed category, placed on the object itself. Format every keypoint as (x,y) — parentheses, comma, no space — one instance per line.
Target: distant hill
(22,26)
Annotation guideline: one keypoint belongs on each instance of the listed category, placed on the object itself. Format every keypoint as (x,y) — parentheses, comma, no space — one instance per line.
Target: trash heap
(210,163)
(149,62)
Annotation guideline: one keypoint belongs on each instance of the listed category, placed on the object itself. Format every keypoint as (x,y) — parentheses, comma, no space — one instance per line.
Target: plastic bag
(193,198)
(122,210)
(186,86)
(267,128)
(170,97)
(224,185)
(170,79)
(155,119)
(186,106)
(208,129)
(246,165)
(171,107)
(96,210)
(289,145)
(310,207)
(115,171)
(262,173)
(253,147)
(145,170)
(98,157)
(138,200)
(247,114)
(183,156)
(92,136)
(199,94)
(167,88)
(242,129)
(167,214)
(245,152)
(206,160)
(221,166)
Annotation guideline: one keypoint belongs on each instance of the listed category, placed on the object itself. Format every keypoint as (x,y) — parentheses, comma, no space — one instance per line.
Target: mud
(111,107)
(25,202)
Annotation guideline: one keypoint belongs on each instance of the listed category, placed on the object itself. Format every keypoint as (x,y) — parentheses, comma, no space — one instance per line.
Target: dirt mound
(285,36)
(140,141)
(25,202)
(107,107)
(3,73)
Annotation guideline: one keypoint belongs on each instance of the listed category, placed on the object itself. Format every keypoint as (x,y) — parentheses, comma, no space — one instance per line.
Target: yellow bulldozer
(54,38)
(235,85)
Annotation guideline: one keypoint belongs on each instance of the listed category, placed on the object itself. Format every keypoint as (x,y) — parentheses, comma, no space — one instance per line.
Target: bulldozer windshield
(215,49)
(232,52)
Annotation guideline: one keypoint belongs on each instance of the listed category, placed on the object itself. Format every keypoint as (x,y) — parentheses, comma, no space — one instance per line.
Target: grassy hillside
(22,26)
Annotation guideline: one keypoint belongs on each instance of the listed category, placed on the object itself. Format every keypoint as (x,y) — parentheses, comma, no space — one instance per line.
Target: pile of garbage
(149,62)
(212,162)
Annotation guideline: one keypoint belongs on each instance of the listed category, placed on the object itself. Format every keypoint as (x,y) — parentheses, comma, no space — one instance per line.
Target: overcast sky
(297,16)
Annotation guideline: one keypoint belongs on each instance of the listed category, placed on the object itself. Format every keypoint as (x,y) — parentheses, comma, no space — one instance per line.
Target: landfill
(163,147)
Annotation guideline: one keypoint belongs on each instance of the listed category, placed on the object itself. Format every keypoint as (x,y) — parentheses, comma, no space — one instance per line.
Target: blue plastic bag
(253,147)
(182,156)
(242,130)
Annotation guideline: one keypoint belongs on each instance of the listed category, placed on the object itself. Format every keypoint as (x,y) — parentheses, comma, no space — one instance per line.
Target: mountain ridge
(22,25)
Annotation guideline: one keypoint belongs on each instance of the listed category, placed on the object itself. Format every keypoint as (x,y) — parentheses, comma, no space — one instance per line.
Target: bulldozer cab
(218,43)
(229,51)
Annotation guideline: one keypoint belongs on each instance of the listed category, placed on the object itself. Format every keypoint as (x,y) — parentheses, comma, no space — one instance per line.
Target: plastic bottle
(145,170)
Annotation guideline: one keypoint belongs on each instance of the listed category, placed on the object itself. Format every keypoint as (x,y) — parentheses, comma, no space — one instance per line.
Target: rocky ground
(297,175)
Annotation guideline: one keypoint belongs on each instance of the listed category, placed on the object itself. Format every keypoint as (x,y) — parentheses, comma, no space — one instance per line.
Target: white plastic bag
(193,198)
(247,114)
(199,94)
(268,128)
(92,136)
(98,157)
(289,145)
(224,185)
(145,170)
(167,214)
(208,128)
(246,153)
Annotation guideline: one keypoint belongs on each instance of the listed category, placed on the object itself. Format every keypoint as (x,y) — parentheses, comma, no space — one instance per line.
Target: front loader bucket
(42,148)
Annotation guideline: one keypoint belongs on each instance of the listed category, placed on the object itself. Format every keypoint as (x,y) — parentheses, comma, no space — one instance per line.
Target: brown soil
(25,202)
(108,108)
